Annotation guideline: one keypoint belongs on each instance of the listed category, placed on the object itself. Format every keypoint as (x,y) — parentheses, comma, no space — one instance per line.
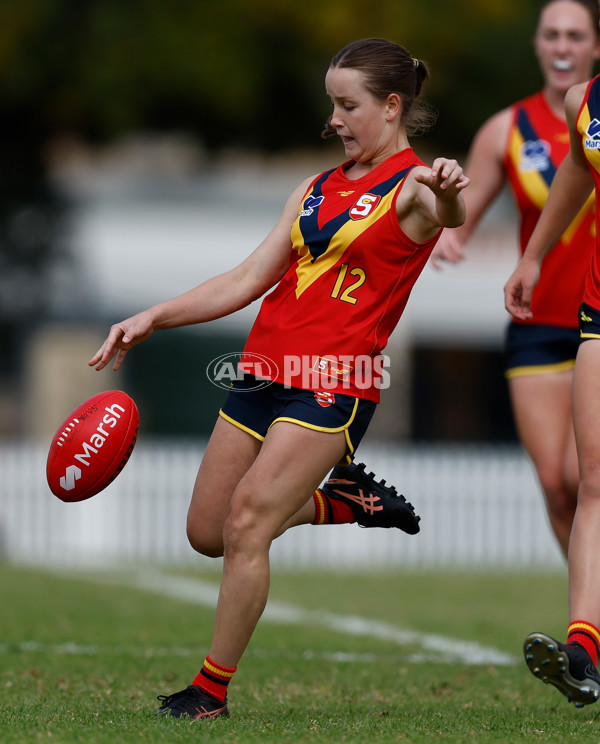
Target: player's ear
(393,107)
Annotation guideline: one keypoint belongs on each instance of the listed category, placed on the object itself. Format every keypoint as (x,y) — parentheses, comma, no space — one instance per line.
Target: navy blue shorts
(535,349)
(589,322)
(255,407)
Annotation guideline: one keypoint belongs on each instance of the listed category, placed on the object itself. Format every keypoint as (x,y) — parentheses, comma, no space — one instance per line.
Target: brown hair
(389,68)
(591,5)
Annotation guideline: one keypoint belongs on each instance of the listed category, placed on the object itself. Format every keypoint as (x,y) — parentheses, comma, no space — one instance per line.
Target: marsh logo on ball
(70,478)
(92,445)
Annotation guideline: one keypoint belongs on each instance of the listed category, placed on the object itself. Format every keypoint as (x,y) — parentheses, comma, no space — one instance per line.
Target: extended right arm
(214,298)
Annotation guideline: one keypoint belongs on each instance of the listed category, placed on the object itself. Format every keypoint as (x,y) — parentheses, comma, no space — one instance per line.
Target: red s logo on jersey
(364,205)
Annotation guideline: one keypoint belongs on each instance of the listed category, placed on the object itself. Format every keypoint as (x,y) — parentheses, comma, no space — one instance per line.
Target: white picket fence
(480,507)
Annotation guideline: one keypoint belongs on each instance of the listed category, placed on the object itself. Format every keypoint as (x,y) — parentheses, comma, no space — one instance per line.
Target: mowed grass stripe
(439,648)
(147,652)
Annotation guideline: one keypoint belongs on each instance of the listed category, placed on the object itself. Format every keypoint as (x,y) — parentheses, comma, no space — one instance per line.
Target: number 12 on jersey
(347,294)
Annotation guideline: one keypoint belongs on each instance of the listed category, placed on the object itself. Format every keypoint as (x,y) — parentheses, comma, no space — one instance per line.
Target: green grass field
(82,658)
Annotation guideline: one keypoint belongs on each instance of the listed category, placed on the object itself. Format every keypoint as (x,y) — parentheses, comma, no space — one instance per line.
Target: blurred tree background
(245,73)
(229,73)
(248,72)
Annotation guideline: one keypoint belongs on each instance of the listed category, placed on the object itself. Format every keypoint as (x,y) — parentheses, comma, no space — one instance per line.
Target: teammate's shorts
(538,349)
(589,322)
(255,408)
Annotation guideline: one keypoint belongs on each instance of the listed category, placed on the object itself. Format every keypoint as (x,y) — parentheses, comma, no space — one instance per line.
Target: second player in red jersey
(537,144)
(524,145)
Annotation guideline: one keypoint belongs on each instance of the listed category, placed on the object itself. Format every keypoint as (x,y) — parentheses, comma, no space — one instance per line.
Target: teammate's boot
(568,667)
(192,702)
(373,503)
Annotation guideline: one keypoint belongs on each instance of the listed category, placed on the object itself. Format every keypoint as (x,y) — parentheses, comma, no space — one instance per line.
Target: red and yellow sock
(214,678)
(331,511)
(587,635)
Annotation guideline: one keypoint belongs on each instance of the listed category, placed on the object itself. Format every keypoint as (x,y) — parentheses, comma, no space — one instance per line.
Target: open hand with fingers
(439,192)
(449,248)
(518,290)
(122,337)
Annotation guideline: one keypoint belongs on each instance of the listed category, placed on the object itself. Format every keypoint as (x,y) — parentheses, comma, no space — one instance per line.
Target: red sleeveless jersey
(588,127)
(537,144)
(351,272)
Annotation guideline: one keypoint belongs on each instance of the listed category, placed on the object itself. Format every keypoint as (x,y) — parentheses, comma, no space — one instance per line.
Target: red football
(92,446)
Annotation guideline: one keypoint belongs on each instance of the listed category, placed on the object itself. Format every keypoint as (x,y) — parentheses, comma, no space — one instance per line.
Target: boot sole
(548,663)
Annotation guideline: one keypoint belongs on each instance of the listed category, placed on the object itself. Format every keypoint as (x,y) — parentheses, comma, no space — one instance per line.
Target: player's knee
(562,507)
(560,498)
(552,481)
(589,487)
(245,529)
(203,541)
(572,478)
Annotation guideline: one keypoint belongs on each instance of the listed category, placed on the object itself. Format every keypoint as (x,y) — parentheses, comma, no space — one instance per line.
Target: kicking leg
(349,495)
(291,464)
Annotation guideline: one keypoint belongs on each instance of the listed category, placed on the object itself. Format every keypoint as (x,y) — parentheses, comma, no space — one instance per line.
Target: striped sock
(587,635)
(214,678)
(331,511)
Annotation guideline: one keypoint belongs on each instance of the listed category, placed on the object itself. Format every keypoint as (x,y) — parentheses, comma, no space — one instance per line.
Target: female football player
(524,144)
(341,262)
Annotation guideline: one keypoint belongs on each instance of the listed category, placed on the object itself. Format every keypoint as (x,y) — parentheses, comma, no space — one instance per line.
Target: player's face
(566,44)
(361,120)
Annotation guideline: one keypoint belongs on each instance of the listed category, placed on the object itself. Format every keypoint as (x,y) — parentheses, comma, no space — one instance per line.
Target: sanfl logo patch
(310,204)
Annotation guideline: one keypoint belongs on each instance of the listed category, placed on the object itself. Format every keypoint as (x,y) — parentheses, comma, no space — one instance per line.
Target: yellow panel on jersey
(309,269)
(589,206)
(532,182)
(535,184)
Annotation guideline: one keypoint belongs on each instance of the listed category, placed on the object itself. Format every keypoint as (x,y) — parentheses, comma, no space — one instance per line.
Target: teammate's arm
(485,166)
